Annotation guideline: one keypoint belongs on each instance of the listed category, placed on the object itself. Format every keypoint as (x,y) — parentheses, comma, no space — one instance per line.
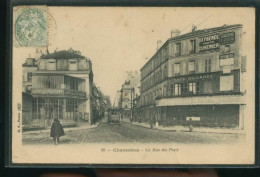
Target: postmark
(31,27)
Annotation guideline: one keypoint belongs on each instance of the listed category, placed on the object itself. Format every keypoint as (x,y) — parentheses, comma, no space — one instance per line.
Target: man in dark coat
(56,131)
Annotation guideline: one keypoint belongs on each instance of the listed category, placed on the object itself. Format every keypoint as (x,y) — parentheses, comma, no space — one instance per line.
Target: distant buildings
(129,92)
(197,76)
(58,85)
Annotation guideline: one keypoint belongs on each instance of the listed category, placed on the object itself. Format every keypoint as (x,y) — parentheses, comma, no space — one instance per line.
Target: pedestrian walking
(56,131)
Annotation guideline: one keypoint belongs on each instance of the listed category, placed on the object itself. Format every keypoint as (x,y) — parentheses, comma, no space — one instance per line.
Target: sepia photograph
(133,85)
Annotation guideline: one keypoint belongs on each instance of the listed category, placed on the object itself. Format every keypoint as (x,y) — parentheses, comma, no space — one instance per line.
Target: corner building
(62,88)
(197,76)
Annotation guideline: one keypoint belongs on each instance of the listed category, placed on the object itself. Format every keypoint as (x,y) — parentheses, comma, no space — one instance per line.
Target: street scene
(191,87)
(127,133)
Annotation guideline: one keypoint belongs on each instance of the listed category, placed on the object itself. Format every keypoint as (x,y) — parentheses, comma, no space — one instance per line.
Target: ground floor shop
(226,116)
(42,110)
(60,108)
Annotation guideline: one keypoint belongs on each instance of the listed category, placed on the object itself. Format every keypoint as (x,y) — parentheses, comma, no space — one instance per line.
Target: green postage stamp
(30,26)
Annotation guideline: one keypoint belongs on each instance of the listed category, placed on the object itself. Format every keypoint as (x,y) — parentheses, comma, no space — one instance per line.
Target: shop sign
(224,56)
(209,42)
(243,64)
(191,78)
(48,91)
(58,92)
(227,38)
(226,59)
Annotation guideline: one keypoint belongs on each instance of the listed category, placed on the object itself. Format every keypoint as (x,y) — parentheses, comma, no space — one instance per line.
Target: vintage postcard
(133,85)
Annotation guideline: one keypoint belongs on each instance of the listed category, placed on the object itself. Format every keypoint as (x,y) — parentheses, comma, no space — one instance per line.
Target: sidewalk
(186,128)
(68,129)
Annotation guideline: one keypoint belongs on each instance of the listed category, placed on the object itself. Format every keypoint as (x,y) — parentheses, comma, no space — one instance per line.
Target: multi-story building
(29,67)
(129,92)
(196,76)
(61,87)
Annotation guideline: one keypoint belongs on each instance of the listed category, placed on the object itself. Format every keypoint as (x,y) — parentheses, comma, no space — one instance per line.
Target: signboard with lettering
(226,59)
(58,92)
(243,64)
(191,78)
(227,38)
(209,42)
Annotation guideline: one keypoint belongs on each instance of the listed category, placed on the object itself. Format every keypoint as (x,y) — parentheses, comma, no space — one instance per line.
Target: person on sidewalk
(190,125)
(151,122)
(56,131)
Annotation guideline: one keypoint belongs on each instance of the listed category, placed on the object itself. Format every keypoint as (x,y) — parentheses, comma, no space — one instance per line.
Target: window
(194,87)
(29,76)
(177,89)
(171,89)
(185,88)
(207,87)
(178,49)
(191,67)
(227,48)
(207,65)
(177,69)
(193,46)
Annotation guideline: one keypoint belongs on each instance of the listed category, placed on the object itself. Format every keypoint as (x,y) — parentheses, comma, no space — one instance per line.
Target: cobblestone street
(124,132)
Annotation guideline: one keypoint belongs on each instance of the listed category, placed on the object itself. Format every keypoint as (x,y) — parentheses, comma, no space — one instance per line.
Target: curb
(241,133)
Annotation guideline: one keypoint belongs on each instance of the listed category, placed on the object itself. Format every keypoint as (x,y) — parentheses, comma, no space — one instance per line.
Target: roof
(63,54)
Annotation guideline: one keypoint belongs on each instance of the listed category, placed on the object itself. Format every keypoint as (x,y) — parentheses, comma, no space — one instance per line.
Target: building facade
(29,67)
(129,92)
(61,87)
(197,76)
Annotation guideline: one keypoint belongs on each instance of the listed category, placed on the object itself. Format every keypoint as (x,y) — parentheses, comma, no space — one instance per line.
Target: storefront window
(177,89)
(171,89)
(194,87)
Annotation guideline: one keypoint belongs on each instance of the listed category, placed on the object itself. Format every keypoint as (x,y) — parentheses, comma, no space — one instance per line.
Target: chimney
(193,28)
(159,44)
(175,32)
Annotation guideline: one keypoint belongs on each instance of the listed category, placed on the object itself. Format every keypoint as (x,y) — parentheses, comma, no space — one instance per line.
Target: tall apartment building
(196,76)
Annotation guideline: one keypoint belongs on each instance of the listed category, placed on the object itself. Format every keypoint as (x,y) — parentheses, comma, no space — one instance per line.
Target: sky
(120,39)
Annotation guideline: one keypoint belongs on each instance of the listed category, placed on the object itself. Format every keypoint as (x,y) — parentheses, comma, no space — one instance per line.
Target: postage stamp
(30,28)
